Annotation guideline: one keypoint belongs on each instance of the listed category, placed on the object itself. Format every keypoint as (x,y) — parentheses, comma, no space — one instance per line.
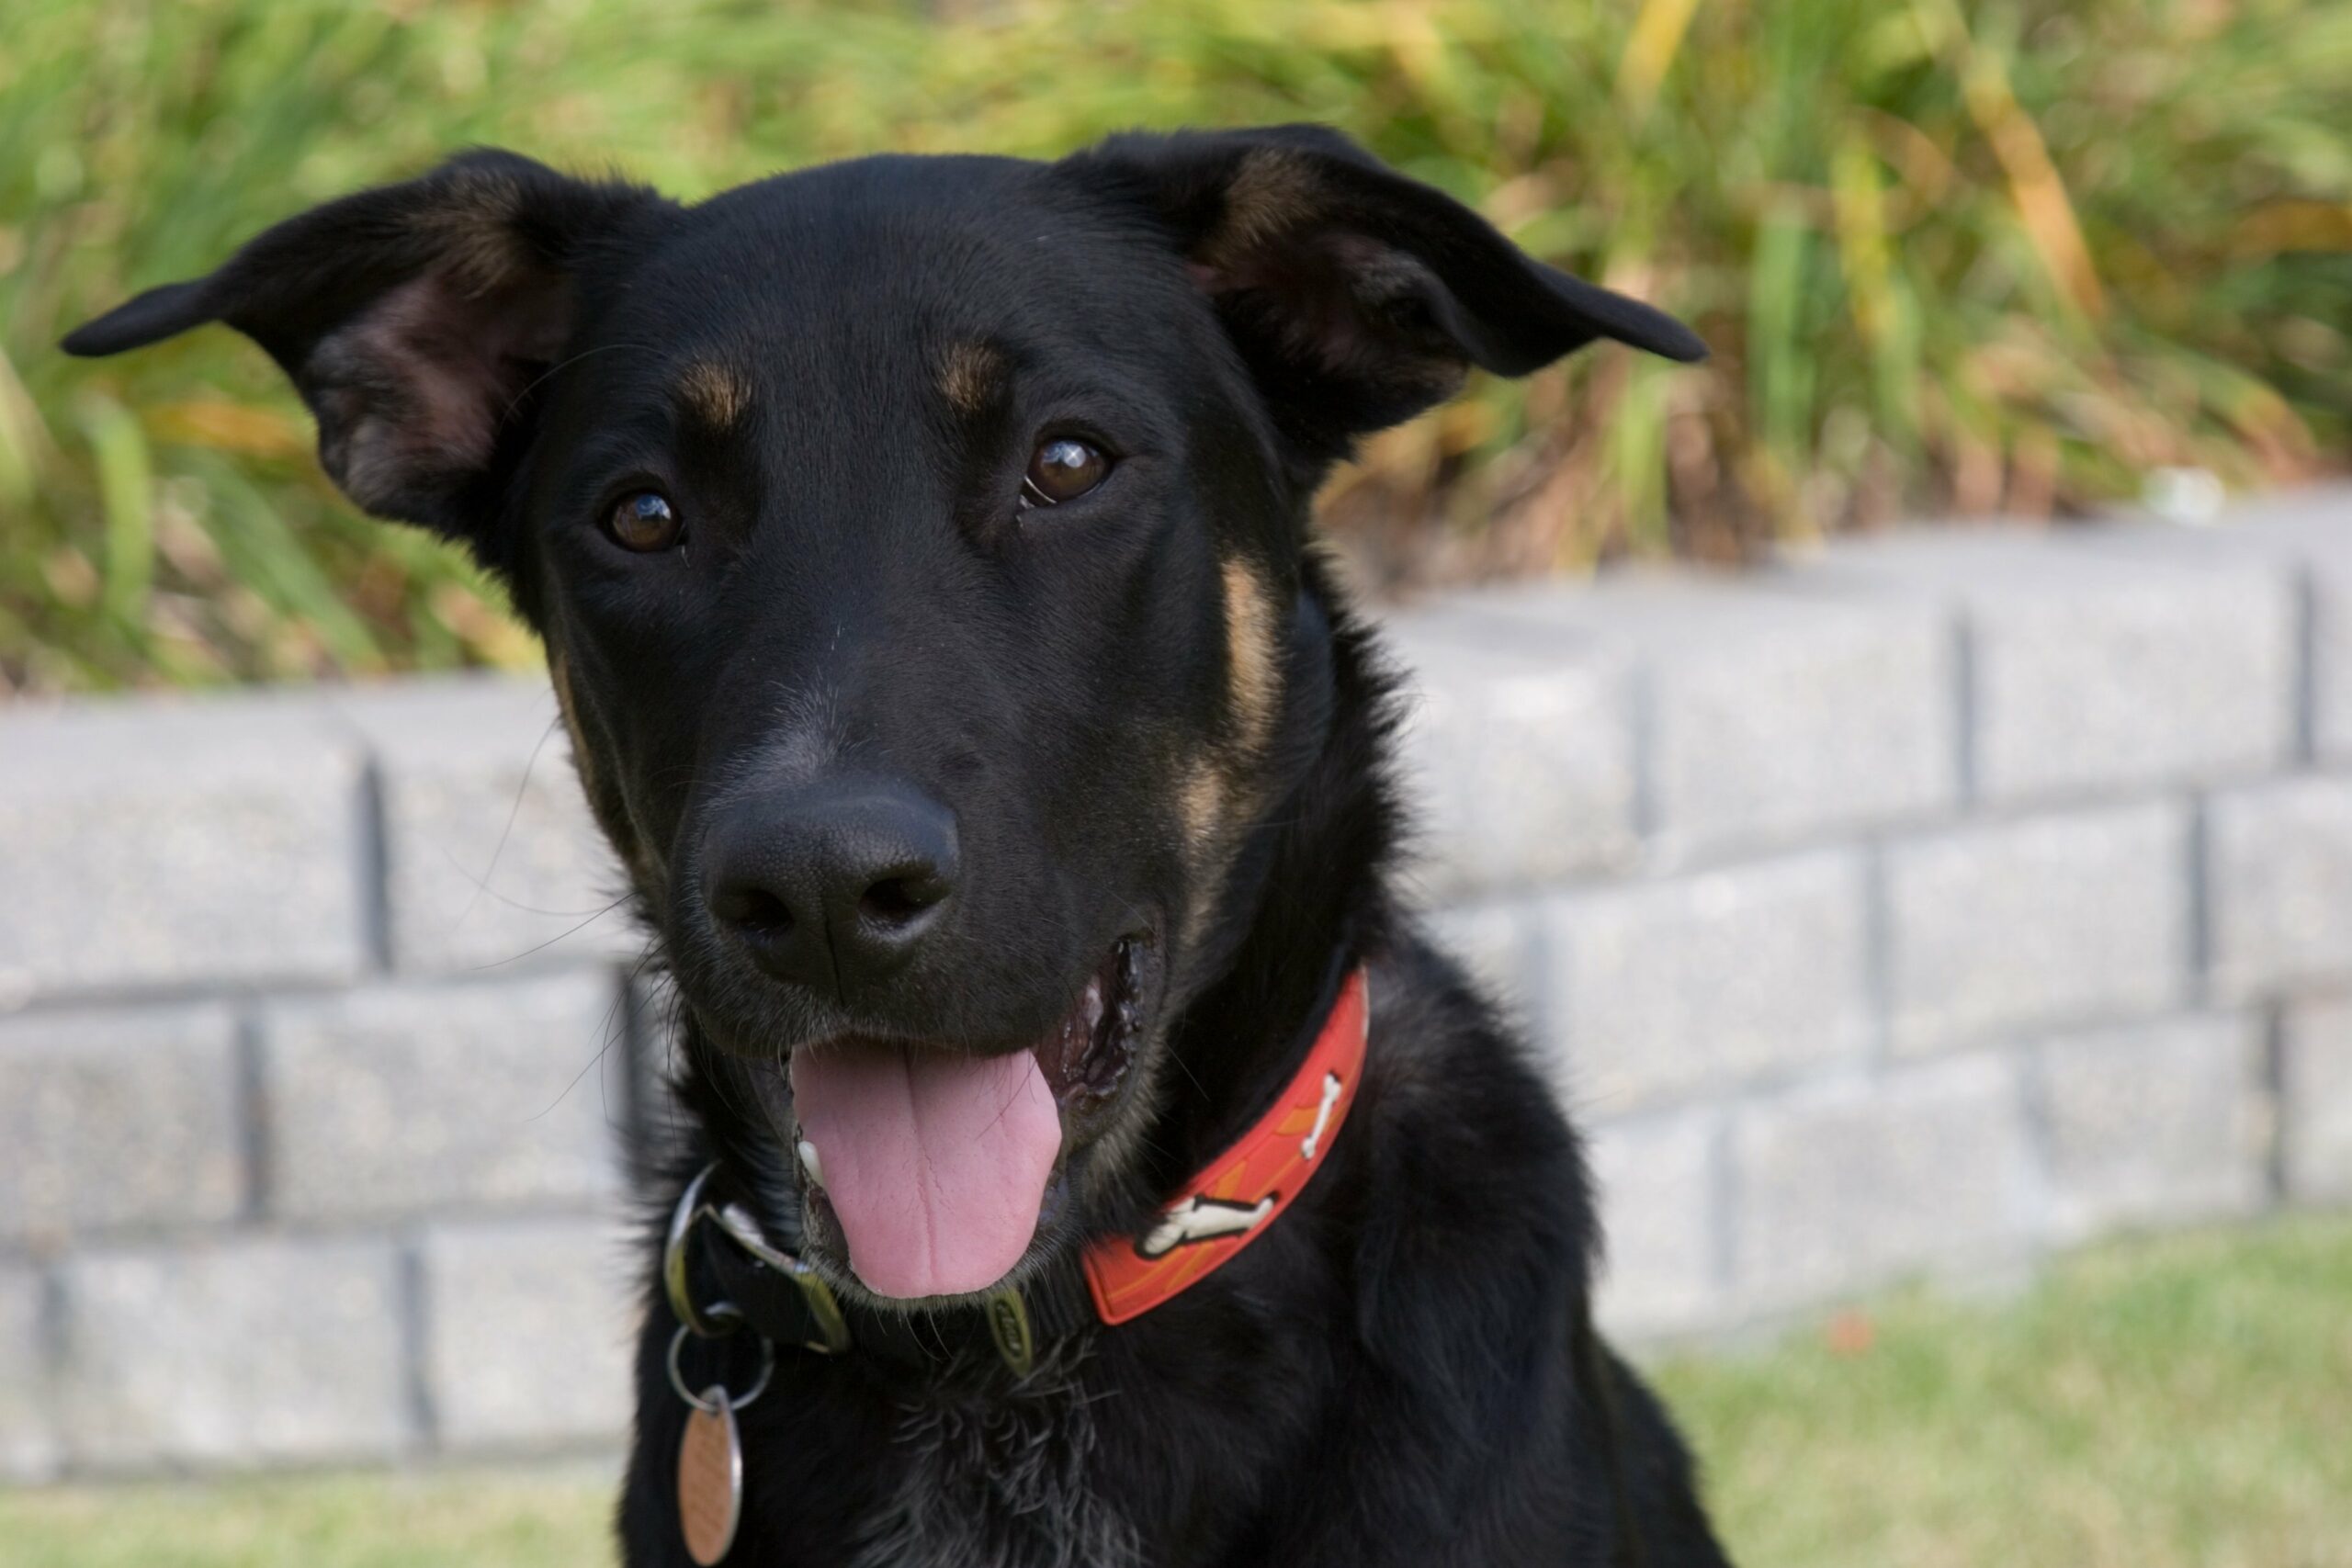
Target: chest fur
(997,1483)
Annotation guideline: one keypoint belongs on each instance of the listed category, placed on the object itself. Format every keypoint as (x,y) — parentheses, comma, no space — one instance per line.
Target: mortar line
(253,1118)
(414,1312)
(375,869)
(1965,700)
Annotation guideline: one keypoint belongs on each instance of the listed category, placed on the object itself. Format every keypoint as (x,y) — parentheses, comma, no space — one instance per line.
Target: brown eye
(644,521)
(1062,469)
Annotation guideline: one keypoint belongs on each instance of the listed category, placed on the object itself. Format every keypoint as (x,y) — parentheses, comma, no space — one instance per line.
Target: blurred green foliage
(1950,255)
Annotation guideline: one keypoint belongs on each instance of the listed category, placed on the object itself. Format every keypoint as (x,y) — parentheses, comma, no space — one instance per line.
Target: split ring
(759,1384)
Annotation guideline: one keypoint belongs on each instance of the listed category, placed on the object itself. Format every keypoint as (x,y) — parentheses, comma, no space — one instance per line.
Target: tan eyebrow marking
(969,376)
(714,393)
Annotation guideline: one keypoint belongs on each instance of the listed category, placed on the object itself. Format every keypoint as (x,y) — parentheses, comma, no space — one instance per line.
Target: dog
(1088,1160)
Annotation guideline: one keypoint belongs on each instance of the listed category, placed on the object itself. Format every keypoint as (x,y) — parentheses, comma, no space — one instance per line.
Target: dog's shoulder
(1469,1160)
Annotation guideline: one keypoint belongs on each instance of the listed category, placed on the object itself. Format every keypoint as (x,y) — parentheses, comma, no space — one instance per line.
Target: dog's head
(918,547)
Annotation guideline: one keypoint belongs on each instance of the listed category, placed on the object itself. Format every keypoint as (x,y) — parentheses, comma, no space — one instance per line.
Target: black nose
(831,885)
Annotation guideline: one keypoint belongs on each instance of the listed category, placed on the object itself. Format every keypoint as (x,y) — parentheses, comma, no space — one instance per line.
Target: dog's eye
(1062,469)
(644,521)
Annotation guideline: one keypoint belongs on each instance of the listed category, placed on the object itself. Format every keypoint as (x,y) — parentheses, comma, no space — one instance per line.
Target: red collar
(1236,1197)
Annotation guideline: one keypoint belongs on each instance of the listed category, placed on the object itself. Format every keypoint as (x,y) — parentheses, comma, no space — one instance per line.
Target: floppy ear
(415,319)
(1358,297)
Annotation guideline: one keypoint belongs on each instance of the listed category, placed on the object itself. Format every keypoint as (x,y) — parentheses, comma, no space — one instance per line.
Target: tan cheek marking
(1250,655)
(1200,805)
(969,373)
(715,394)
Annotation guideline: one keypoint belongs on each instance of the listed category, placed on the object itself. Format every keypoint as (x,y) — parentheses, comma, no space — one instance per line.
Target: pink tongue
(935,1163)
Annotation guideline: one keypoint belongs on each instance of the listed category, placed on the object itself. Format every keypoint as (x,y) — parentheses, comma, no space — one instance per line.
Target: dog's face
(916,542)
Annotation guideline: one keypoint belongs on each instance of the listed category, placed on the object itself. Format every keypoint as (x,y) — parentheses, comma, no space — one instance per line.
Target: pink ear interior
(410,393)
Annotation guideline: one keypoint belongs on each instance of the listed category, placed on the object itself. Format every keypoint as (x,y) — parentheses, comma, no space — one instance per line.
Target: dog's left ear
(1358,297)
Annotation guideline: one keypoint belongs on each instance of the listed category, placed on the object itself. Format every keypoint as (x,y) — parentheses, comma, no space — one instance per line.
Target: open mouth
(933,1167)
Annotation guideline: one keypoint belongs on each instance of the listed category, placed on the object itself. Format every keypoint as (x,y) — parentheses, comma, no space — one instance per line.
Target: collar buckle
(830,1335)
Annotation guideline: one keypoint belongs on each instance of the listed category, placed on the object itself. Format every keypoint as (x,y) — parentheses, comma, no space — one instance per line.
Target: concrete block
(156,842)
(1518,756)
(29,1450)
(2103,658)
(417,1098)
(528,1333)
(2160,1123)
(491,855)
(1769,714)
(126,1117)
(249,1352)
(2051,920)
(2317,1090)
(1703,983)
(2279,880)
(1847,1185)
(2312,530)
(1658,1182)
(1496,943)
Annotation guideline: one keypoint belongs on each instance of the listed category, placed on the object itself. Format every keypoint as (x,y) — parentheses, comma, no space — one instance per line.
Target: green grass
(408,1521)
(2182,1403)
(1976,253)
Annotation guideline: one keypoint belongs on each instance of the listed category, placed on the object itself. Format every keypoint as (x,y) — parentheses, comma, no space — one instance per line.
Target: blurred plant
(1950,256)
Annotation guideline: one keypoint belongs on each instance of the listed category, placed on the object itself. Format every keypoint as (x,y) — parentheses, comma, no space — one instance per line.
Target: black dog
(921,546)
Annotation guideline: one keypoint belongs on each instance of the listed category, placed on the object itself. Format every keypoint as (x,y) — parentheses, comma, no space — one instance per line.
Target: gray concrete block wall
(562,1292)
(193,844)
(119,1118)
(2279,878)
(2153,1123)
(1911,908)
(1843,1184)
(410,1098)
(1670,989)
(2076,915)
(2315,1079)
(232,1352)
(29,1450)
(491,858)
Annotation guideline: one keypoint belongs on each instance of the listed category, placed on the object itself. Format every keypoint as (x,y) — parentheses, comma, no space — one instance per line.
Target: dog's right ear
(414,319)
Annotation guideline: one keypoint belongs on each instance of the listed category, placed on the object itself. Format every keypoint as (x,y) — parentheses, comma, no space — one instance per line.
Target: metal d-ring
(723,1317)
(759,1384)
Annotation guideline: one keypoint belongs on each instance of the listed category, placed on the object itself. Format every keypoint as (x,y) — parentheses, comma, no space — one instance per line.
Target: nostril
(895,901)
(752,909)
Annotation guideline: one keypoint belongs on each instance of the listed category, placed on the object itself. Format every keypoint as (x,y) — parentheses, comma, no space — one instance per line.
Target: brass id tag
(710,1479)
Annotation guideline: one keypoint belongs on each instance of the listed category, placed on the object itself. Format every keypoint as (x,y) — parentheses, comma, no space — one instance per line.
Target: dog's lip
(1086,1055)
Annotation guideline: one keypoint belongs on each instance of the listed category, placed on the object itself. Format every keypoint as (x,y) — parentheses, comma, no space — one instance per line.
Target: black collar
(722,1271)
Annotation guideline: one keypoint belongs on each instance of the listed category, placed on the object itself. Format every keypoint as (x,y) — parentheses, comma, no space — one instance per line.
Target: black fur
(1152,720)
